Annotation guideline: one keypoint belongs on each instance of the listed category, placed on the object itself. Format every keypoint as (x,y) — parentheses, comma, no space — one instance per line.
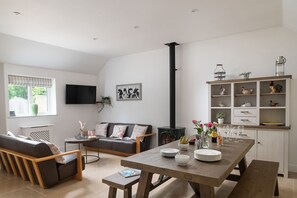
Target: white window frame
(51,100)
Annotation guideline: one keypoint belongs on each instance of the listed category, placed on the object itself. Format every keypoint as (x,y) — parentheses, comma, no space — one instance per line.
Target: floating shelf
(218,96)
(244,95)
(273,94)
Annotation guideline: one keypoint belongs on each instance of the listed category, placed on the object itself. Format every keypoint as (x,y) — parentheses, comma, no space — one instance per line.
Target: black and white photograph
(129,92)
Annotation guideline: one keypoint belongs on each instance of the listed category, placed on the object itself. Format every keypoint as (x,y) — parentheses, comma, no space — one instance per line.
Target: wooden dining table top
(206,173)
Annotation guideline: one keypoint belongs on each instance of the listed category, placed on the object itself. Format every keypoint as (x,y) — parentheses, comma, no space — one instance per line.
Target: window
(26,93)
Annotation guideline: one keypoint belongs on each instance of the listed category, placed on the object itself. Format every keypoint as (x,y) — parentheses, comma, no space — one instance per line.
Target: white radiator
(38,132)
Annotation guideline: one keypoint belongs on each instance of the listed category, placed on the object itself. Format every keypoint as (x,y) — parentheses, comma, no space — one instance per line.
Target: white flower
(82,125)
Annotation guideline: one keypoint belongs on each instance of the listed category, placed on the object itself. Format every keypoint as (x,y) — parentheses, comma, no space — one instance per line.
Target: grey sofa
(34,161)
(123,147)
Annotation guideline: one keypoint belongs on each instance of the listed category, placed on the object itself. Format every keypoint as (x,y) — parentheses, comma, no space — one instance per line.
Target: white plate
(208,155)
(169,152)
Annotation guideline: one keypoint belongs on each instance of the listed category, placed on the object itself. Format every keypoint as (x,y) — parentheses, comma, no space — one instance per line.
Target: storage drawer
(245,112)
(245,120)
(249,134)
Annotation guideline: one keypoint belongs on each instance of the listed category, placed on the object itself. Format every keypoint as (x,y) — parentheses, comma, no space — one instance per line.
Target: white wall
(152,70)
(253,51)
(2,101)
(66,120)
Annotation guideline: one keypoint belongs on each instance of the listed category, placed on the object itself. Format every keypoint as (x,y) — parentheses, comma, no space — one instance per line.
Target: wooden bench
(258,181)
(117,181)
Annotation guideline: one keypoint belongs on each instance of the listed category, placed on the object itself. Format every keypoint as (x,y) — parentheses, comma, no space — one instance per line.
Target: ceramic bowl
(182,160)
(183,147)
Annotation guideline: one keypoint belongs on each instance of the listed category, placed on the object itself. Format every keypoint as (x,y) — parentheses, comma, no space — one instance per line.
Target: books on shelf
(129,172)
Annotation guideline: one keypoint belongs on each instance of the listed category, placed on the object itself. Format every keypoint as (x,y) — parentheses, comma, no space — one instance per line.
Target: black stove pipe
(172,70)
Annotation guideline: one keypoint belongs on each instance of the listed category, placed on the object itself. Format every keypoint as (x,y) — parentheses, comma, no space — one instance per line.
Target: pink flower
(209,125)
(194,121)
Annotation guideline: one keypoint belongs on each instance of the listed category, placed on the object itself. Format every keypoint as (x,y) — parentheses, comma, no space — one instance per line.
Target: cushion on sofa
(119,131)
(101,129)
(11,134)
(126,146)
(138,130)
(55,150)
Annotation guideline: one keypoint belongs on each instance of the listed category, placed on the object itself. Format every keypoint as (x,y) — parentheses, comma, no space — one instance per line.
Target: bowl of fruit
(183,143)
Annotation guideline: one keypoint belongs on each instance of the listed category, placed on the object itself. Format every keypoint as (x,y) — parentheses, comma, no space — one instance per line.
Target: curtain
(30,81)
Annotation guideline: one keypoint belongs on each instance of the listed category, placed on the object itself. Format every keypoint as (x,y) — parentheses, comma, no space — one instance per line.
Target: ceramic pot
(183,147)
(220,120)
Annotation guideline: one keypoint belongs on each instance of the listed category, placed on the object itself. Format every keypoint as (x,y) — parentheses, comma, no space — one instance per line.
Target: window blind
(30,81)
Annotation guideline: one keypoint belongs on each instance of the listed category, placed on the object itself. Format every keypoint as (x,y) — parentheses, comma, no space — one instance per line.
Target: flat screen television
(80,94)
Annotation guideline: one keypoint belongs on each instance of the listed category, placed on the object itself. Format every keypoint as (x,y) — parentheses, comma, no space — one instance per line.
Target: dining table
(203,176)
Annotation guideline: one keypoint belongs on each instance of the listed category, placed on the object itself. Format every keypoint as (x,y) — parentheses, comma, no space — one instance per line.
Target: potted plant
(246,75)
(183,143)
(220,117)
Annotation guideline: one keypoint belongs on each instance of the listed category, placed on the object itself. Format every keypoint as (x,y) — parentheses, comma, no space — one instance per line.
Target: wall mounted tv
(80,94)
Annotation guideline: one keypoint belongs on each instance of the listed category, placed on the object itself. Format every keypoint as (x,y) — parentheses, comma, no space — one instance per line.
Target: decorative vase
(219,73)
(204,138)
(34,109)
(220,120)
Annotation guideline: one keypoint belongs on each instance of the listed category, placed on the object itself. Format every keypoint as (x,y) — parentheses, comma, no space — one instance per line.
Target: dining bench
(117,181)
(258,181)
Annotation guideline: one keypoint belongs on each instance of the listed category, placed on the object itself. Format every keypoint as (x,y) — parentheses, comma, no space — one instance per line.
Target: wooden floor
(91,186)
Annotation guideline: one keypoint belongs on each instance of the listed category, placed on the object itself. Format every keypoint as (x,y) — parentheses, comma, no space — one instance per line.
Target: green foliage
(17,91)
(36,91)
(220,115)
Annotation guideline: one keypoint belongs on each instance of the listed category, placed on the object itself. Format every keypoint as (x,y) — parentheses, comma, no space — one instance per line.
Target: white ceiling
(73,24)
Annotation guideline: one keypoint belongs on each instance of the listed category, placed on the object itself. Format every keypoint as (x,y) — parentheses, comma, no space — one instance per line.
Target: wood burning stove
(171,133)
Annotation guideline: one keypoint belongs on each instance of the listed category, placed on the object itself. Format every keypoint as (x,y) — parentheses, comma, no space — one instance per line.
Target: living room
(242,42)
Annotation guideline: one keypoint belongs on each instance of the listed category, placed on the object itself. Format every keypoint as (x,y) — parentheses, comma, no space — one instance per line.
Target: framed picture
(129,92)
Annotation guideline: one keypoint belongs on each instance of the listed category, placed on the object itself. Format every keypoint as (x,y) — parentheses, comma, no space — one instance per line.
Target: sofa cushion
(101,129)
(119,131)
(11,134)
(138,130)
(55,150)
(126,146)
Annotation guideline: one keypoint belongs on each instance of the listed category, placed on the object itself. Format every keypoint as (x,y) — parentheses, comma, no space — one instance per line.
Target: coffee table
(79,140)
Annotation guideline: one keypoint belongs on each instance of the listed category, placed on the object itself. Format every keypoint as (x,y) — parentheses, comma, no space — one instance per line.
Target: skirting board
(293,168)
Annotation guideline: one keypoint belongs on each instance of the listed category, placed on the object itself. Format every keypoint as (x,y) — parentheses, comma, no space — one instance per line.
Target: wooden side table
(79,140)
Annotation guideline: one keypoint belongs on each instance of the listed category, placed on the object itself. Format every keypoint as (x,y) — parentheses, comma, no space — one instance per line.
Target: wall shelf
(101,103)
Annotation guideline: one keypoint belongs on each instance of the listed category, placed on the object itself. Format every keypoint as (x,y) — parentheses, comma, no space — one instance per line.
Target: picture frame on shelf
(128,92)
